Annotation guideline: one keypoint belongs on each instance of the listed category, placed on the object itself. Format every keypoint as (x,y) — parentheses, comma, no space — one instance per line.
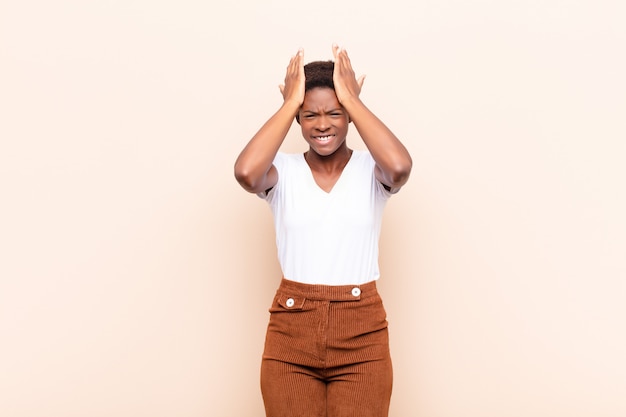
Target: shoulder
(363,158)
(286,165)
(282,160)
(365,161)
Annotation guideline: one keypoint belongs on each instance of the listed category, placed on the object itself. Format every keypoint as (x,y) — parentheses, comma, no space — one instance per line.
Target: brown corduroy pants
(326,352)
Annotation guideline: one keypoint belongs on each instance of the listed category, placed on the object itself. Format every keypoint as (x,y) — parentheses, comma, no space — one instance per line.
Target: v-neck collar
(312,178)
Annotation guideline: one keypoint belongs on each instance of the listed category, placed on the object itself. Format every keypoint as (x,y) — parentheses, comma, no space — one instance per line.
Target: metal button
(290,302)
(356,291)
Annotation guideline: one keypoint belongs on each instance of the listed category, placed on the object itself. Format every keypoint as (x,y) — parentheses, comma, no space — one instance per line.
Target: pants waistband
(329,292)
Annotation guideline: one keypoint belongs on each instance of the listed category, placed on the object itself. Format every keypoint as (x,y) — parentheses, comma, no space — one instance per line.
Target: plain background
(135,274)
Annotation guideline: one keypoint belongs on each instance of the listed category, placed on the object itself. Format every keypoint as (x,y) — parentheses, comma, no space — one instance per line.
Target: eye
(309,116)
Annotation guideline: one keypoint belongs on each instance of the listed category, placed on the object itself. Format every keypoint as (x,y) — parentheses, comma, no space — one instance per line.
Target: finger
(296,63)
(345,59)
(335,50)
(295,58)
(340,57)
(340,64)
(300,59)
(293,62)
(360,81)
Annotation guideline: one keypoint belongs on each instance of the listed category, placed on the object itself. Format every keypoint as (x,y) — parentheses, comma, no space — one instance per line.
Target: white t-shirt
(327,238)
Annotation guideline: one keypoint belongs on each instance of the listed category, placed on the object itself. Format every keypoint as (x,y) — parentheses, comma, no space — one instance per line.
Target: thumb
(360,81)
(281,87)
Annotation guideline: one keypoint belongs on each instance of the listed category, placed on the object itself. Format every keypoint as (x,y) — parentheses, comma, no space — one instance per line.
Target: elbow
(395,175)
(245,178)
(250,180)
(399,174)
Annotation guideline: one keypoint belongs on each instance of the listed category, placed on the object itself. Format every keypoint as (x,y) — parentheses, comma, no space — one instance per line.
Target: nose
(323,123)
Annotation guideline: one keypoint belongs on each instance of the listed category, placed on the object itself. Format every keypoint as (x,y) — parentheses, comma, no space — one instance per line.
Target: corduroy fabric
(326,352)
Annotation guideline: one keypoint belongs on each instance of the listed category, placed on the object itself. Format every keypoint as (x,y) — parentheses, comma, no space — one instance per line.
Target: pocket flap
(291,302)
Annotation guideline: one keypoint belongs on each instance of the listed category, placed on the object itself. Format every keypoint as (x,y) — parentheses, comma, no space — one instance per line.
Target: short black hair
(319,74)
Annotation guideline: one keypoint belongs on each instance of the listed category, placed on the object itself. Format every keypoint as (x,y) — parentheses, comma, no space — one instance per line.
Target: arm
(254,169)
(393,162)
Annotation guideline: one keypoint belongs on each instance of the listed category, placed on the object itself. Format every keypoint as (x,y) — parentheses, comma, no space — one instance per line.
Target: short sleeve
(279,162)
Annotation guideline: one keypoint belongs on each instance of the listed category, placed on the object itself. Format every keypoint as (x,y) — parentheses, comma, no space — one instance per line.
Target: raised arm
(393,162)
(254,169)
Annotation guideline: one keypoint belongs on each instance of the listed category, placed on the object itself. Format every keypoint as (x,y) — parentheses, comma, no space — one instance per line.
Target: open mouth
(324,138)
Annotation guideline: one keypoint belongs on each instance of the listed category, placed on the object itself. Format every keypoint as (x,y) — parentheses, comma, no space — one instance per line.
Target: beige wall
(135,274)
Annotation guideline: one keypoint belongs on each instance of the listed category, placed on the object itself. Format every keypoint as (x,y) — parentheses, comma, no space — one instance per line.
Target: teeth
(323,138)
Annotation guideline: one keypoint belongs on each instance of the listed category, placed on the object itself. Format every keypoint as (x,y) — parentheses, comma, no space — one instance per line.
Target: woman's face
(323,121)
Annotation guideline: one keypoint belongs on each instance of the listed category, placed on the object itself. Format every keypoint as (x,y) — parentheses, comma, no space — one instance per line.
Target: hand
(346,84)
(293,89)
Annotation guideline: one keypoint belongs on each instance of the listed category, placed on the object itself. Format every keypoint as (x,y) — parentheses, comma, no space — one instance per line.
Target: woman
(326,350)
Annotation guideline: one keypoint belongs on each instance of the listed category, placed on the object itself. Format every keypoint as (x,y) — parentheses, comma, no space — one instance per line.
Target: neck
(333,162)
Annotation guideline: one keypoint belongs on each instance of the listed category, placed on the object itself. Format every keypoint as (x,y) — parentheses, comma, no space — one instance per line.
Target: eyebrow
(329,111)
